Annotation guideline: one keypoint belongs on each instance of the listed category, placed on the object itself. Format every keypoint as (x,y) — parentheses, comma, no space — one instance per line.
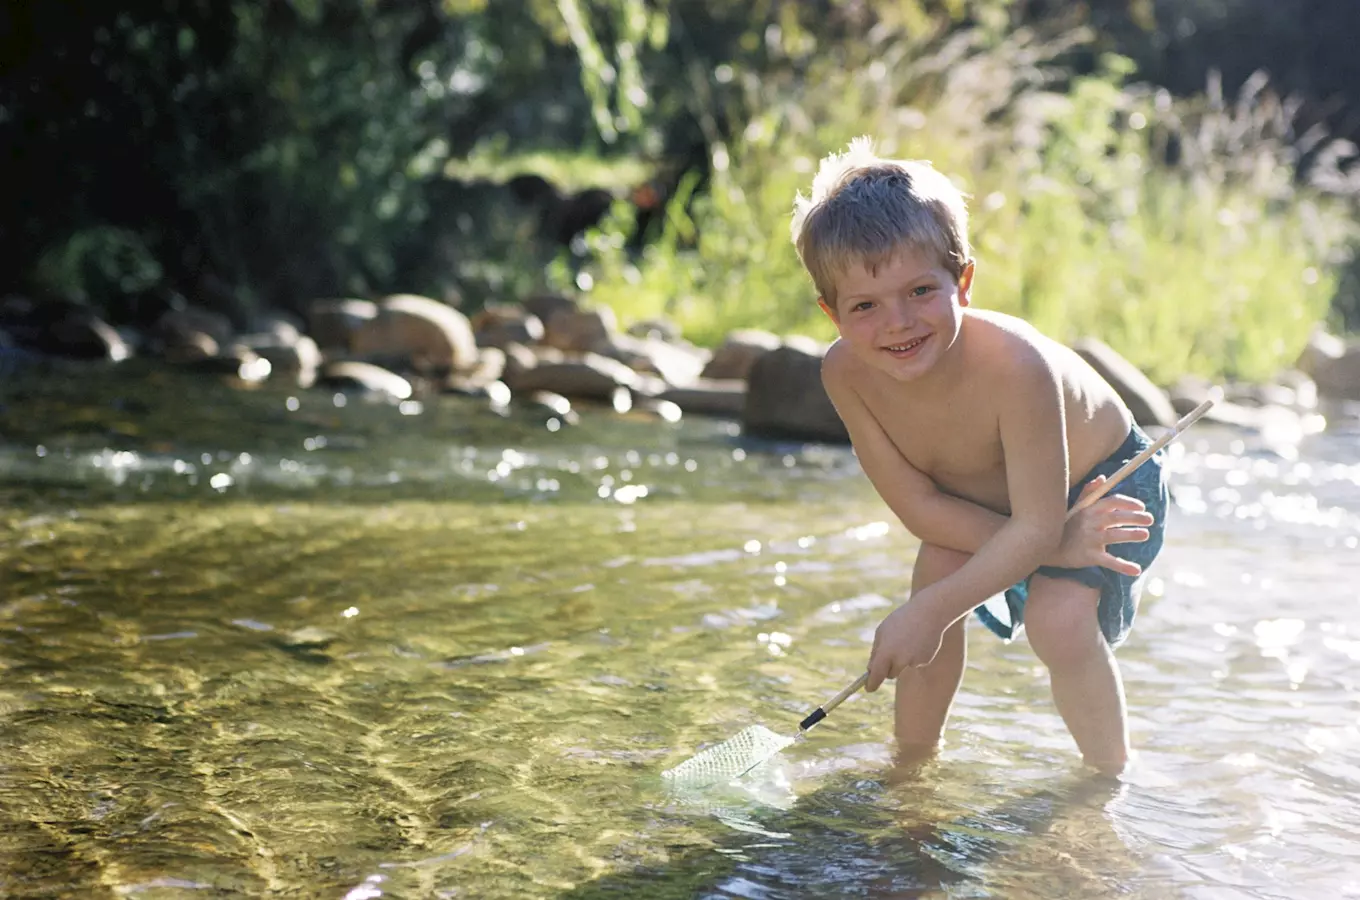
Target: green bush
(1215,262)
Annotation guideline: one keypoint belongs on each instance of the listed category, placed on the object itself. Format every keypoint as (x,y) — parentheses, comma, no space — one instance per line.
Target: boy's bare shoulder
(1008,345)
(837,362)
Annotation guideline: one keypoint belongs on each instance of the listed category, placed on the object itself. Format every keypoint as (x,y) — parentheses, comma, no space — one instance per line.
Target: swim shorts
(1119,594)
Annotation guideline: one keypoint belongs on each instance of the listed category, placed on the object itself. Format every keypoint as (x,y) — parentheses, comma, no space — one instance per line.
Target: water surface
(261,644)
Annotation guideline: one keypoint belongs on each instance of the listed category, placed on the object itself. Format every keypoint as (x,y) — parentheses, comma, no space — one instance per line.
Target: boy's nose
(901,316)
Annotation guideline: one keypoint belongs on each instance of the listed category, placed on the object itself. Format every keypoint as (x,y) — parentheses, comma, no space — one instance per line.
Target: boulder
(364,377)
(656,329)
(589,376)
(785,399)
(299,359)
(57,328)
(416,332)
(676,363)
(1144,399)
(708,397)
(739,352)
(545,306)
(496,326)
(489,369)
(580,330)
(332,322)
(1338,378)
(1322,348)
(178,326)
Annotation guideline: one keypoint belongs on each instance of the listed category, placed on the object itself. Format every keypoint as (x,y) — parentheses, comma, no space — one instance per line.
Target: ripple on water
(485,726)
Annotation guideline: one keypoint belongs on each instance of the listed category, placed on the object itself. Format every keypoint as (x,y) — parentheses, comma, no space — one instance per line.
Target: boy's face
(902,318)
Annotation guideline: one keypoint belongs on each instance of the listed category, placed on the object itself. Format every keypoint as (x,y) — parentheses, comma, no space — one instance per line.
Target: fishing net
(732,758)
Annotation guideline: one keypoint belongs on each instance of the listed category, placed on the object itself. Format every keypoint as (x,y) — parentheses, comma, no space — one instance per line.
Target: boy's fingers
(1124,518)
(1122,566)
(876,675)
(1093,484)
(1126,535)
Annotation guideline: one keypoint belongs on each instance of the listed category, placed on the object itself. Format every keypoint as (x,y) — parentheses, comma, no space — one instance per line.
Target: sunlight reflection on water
(418,663)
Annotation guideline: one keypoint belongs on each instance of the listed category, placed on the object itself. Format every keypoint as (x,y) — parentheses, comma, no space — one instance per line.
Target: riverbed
(274,643)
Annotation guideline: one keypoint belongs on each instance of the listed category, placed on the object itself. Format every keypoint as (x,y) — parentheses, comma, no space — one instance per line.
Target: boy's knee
(934,562)
(1061,622)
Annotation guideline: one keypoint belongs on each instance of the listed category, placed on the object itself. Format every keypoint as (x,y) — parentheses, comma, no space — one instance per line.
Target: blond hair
(864,209)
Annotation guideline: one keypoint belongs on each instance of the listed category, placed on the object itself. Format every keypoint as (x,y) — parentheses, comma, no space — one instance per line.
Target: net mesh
(735,756)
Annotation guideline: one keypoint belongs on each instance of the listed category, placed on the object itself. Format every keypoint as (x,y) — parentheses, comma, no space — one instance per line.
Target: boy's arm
(927,512)
(1033,439)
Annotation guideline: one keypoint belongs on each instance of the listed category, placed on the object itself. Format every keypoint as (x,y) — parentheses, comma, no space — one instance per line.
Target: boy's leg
(925,695)
(1063,629)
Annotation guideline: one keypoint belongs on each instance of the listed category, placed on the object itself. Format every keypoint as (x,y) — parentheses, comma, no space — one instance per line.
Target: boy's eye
(862,305)
(921,290)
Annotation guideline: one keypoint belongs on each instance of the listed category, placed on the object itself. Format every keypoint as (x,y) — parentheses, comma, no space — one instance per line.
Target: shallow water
(257,644)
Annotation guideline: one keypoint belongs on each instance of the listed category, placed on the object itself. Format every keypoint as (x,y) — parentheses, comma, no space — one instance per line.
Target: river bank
(550,352)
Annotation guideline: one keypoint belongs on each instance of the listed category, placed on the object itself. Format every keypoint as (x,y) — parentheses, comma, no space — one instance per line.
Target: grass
(1218,263)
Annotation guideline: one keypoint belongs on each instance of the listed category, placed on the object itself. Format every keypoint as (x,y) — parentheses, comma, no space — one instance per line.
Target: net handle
(1127,469)
(1124,471)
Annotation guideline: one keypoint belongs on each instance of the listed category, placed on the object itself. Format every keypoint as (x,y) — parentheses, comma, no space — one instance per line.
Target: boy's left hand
(908,638)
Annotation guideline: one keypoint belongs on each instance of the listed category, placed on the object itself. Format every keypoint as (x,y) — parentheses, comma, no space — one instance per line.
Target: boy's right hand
(1113,519)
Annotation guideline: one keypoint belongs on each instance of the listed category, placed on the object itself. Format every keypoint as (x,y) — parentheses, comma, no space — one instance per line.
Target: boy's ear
(829,310)
(966,282)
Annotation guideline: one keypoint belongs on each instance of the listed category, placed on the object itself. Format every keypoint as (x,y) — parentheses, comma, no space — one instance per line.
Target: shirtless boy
(978,432)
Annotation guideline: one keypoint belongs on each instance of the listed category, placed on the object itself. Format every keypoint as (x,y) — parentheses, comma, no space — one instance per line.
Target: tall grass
(1177,232)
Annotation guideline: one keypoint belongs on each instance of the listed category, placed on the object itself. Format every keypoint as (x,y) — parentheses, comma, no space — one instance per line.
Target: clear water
(254,646)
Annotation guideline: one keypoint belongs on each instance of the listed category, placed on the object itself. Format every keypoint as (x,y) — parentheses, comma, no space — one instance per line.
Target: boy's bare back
(949,429)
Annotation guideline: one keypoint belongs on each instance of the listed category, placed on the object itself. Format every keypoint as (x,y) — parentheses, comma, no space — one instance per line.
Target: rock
(708,397)
(1144,399)
(518,359)
(655,329)
(664,410)
(557,407)
(1189,392)
(191,348)
(589,377)
(785,399)
(490,368)
(177,327)
(739,352)
(57,328)
(580,330)
(1338,378)
(1322,348)
(678,365)
(300,359)
(364,377)
(331,323)
(545,306)
(283,329)
(417,333)
(239,363)
(497,326)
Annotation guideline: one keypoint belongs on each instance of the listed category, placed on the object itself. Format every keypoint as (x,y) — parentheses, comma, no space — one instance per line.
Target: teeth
(907,346)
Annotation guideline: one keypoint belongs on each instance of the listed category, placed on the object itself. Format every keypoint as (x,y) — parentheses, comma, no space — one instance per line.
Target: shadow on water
(893,836)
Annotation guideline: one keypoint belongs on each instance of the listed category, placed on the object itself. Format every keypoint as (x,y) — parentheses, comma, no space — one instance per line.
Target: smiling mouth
(907,346)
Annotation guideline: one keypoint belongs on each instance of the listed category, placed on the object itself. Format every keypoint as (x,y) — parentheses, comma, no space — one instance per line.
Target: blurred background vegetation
(1176,177)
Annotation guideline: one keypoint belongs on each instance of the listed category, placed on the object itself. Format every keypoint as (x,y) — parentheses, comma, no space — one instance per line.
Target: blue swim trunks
(1119,594)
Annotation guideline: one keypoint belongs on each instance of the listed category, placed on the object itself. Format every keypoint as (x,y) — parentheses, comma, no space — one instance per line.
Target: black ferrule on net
(817,715)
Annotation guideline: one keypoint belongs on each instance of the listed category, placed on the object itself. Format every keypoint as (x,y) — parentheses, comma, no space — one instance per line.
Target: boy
(979,433)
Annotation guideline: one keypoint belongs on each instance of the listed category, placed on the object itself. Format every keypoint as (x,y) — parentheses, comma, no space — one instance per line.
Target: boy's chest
(957,443)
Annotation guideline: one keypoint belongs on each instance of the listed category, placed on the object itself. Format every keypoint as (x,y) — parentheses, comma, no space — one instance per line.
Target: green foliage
(1219,265)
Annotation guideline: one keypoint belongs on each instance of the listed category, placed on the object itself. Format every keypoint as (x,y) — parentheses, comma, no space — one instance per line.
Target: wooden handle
(820,712)
(845,692)
(1127,469)
(1124,471)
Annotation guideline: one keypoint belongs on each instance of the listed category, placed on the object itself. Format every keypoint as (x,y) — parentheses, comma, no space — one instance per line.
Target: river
(271,643)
